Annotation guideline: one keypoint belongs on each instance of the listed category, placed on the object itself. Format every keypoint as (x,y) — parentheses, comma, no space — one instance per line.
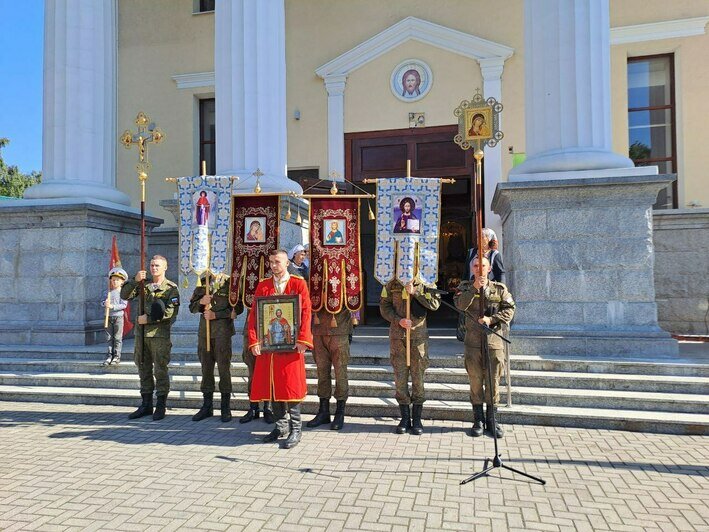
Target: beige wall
(314,36)
(691,82)
(157,40)
(161,38)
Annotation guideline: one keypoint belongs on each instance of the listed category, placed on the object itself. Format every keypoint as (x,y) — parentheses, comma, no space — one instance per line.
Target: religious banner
(408,219)
(255,235)
(204,223)
(335,261)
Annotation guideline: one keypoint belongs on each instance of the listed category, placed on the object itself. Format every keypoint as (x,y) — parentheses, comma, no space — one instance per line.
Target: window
(207,135)
(202,6)
(651,119)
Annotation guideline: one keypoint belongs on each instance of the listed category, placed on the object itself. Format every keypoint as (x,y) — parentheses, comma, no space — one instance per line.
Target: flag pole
(408,298)
(207,276)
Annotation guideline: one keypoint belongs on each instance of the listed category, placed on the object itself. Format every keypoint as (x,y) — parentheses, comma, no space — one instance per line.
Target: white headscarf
(295,249)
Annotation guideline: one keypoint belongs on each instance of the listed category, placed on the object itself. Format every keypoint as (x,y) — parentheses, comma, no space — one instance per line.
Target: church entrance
(432,152)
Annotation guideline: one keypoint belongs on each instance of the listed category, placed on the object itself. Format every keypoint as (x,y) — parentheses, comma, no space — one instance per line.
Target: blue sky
(21,41)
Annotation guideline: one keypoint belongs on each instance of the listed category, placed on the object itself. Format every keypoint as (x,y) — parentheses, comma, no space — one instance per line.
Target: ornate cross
(147,132)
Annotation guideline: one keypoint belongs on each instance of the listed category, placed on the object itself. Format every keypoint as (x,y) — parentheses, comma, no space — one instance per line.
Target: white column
(567,88)
(491,70)
(79,126)
(335,86)
(250,92)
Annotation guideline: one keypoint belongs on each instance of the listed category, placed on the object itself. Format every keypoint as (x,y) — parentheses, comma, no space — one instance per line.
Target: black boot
(251,414)
(268,416)
(416,426)
(323,415)
(145,408)
(160,407)
(296,427)
(491,417)
(405,423)
(207,409)
(479,421)
(226,409)
(339,418)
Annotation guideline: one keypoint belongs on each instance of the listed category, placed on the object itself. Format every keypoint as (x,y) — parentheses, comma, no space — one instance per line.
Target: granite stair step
(605,398)
(621,419)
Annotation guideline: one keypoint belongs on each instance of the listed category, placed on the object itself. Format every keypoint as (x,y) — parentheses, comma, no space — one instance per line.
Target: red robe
(281,376)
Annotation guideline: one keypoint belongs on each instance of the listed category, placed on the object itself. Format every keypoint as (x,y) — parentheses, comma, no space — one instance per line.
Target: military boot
(416,426)
(323,415)
(226,409)
(296,427)
(207,409)
(491,419)
(268,416)
(339,418)
(145,408)
(251,414)
(160,407)
(478,422)
(405,423)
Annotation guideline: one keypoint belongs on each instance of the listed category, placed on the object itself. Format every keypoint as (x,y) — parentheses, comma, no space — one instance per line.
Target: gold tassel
(185,282)
(316,320)
(199,281)
(354,321)
(298,219)
(333,321)
(371,212)
(288,212)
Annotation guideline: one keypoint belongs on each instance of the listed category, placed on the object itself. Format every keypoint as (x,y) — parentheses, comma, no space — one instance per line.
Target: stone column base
(54,266)
(579,257)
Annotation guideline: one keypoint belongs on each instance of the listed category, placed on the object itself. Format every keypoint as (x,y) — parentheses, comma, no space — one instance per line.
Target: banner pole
(408,299)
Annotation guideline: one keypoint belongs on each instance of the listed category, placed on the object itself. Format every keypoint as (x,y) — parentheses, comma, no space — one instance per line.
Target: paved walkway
(65,467)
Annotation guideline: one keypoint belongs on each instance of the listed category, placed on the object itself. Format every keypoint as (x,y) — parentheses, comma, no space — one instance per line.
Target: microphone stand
(497,460)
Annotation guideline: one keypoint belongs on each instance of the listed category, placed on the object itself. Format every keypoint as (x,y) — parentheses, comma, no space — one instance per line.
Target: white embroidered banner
(204,222)
(408,220)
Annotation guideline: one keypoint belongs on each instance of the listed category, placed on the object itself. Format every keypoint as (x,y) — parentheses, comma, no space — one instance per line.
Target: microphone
(430,290)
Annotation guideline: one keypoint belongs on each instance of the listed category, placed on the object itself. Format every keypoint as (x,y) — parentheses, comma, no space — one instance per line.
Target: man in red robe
(280,377)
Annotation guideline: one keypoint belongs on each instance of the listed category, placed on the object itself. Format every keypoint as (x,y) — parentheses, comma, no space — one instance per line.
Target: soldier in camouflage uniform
(392,306)
(162,302)
(331,348)
(500,308)
(215,307)
(250,361)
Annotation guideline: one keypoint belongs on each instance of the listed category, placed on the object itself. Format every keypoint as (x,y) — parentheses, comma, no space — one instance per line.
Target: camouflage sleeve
(506,309)
(463,298)
(386,307)
(195,307)
(172,305)
(220,304)
(426,299)
(129,290)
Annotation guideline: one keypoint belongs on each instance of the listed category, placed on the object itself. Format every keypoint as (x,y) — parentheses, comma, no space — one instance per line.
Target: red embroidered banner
(255,234)
(336,266)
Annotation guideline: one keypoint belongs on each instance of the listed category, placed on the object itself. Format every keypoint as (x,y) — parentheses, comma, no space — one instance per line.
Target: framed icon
(478,123)
(254,229)
(407,214)
(277,322)
(411,80)
(334,233)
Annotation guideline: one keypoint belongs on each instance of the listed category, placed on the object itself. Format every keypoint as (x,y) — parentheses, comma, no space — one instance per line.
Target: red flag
(115,262)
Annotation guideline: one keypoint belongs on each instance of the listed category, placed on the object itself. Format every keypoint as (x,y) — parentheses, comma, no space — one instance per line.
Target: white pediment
(415,29)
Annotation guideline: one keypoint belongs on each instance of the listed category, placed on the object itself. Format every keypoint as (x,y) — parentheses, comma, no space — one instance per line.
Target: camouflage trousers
(332,351)
(250,361)
(419,365)
(220,354)
(476,367)
(157,354)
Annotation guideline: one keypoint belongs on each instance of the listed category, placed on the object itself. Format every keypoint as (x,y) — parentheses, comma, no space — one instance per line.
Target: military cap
(157,310)
(118,272)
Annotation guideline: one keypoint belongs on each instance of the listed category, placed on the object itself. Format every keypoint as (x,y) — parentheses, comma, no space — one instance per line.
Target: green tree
(639,151)
(13,182)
